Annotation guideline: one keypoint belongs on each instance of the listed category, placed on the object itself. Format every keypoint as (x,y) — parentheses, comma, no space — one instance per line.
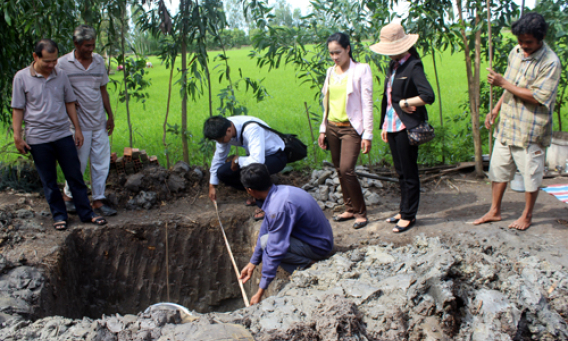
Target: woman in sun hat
(347,122)
(406,93)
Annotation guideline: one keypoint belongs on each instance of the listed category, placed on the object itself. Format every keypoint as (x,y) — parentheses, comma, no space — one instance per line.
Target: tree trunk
(124,23)
(490,40)
(471,84)
(558,107)
(439,104)
(184,85)
(477,91)
(168,112)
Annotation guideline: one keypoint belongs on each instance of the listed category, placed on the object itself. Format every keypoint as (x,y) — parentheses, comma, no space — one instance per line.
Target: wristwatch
(405,103)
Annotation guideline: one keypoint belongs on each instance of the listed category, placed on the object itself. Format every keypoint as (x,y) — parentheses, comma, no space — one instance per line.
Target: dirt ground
(447,210)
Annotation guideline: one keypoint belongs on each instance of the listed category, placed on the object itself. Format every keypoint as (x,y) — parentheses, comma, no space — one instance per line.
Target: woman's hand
(365,146)
(410,109)
(384,136)
(321,141)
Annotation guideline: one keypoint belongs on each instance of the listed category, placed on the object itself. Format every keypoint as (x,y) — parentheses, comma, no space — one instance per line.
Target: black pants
(405,158)
(64,152)
(275,163)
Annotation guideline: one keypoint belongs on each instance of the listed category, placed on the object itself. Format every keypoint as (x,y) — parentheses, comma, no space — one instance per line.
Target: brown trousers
(345,146)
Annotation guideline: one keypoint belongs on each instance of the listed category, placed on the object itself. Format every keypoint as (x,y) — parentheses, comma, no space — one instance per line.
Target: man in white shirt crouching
(261,146)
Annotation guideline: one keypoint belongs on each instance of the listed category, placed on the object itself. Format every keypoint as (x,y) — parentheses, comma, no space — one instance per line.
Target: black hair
(255,176)
(414,52)
(531,23)
(45,44)
(343,40)
(216,127)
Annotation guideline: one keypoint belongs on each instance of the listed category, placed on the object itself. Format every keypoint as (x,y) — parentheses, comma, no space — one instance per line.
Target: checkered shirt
(523,123)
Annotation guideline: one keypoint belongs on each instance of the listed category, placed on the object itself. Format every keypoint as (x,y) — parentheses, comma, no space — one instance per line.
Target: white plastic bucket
(557,153)
(518,183)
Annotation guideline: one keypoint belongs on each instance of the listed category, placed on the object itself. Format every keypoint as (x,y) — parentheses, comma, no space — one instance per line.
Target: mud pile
(425,291)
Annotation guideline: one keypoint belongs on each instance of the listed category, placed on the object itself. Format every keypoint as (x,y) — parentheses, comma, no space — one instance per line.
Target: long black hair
(343,40)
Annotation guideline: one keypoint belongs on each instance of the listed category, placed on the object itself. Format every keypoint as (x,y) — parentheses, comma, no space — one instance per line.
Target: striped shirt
(392,122)
(524,123)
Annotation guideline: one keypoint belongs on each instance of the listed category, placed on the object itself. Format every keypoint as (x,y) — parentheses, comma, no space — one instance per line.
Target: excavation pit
(123,270)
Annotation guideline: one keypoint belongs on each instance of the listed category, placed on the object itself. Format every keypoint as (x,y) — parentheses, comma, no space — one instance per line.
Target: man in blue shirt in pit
(294,234)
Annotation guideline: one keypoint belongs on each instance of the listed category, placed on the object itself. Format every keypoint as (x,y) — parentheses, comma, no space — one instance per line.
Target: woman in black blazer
(406,93)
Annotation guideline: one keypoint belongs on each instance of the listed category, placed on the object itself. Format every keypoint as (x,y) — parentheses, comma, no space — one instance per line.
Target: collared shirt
(392,122)
(43,101)
(290,212)
(87,86)
(522,123)
(257,142)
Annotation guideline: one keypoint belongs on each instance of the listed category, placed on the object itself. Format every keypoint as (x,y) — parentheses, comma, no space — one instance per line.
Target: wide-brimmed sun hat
(394,41)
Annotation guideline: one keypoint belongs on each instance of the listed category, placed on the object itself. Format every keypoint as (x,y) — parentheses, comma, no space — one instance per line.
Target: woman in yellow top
(347,122)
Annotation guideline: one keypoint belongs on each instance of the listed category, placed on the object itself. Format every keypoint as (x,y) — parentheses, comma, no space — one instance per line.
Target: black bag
(422,133)
(294,148)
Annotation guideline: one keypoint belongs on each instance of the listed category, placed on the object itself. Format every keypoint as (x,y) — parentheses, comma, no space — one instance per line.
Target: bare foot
(487,218)
(522,223)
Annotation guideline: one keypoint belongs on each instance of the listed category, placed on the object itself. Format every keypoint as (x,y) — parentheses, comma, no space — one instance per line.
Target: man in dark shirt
(294,234)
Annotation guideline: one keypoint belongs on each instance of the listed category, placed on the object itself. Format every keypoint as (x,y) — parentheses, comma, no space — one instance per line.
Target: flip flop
(360,224)
(393,219)
(105,210)
(400,229)
(339,218)
(98,220)
(60,225)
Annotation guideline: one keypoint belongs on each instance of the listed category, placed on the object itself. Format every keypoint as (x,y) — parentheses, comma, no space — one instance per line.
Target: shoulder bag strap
(263,126)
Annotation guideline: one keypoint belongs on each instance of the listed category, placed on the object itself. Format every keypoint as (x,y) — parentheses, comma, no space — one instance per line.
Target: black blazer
(409,81)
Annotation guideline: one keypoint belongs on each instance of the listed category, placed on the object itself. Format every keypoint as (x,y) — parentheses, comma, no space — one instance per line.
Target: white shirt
(257,142)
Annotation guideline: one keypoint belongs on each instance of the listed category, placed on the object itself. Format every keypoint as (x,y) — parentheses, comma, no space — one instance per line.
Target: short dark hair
(531,23)
(256,176)
(215,127)
(83,33)
(45,44)
(343,40)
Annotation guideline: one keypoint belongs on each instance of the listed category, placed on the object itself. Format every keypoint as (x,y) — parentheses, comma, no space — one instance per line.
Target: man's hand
(384,136)
(490,118)
(234,163)
(21,145)
(407,109)
(110,125)
(79,138)
(246,273)
(365,146)
(321,141)
(257,297)
(212,192)
(494,78)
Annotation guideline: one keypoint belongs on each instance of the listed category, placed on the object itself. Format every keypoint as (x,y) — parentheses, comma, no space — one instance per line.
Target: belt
(340,124)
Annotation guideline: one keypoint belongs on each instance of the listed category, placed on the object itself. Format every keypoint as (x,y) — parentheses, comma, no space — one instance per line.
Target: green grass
(284,110)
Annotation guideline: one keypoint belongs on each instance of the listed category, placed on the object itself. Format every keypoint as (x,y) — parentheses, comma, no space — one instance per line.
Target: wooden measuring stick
(245,298)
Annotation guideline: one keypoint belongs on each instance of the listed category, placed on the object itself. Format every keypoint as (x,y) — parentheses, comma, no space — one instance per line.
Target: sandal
(339,218)
(259,214)
(400,229)
(360,224)
(98,220)
(393,220)
(60,225)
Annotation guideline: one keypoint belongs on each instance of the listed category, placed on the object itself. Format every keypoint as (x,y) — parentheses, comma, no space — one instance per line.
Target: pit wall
(123,270)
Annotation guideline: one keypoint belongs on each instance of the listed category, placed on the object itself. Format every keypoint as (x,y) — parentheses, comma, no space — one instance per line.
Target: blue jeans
(64,152)
(299,255)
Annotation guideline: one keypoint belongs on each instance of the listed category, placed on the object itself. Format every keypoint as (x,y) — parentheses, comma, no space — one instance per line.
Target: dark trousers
(275,163)
(345,146)
(299,256)
(405,158)
(64,152)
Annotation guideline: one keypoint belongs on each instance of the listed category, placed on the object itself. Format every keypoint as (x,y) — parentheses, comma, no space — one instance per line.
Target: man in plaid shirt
(525,126)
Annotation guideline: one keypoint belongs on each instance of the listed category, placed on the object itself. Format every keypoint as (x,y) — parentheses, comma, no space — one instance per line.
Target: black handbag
(294,148)
(420,134)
